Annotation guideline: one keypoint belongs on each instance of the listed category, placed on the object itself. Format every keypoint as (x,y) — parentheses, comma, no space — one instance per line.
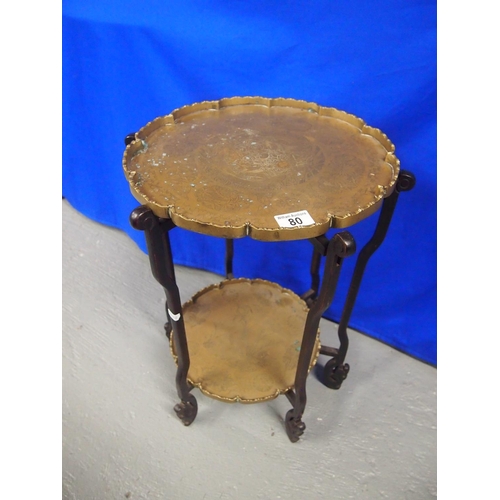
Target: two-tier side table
(272,170)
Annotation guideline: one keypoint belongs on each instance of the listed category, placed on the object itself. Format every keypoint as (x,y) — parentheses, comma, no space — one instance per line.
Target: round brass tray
(247,165)
(244,339)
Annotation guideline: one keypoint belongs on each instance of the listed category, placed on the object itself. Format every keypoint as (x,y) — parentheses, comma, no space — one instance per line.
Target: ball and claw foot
(187,410)
(334,374)
(294,427)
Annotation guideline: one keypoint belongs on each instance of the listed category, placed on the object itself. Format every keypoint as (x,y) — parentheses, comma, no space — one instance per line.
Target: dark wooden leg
(160,257)
(340,246)
(229,258)
(312,293)
(335,371)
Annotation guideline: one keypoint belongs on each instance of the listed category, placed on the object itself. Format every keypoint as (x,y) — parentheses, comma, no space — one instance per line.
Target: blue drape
(125,63)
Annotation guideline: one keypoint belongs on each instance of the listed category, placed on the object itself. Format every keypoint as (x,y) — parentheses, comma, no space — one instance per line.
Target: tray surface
(229,168)
(244,339)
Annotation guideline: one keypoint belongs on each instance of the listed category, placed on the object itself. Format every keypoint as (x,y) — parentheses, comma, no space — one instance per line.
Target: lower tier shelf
(244,339)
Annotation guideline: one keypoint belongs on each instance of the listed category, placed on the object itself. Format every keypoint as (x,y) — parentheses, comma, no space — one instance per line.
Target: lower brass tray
(244,339)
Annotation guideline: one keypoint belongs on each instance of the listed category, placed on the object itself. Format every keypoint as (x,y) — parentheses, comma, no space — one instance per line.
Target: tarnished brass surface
(244,339)
(227,168)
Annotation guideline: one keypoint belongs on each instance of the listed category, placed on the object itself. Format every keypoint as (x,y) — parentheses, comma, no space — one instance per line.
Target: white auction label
(295,219)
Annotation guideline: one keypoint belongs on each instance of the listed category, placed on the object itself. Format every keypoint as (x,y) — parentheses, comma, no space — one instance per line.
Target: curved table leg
(336,370)
(160,257)
(229,258)
(340,246)
(312,293)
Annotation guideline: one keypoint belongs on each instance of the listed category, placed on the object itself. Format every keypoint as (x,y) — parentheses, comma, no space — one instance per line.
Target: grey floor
(374,438)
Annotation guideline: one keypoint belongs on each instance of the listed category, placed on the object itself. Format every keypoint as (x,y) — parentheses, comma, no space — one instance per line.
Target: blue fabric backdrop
(125,63)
